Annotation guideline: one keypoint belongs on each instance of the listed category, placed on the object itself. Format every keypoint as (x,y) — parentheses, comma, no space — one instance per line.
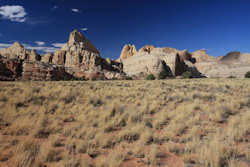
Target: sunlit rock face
(152,60)
(234,64)
(79,56)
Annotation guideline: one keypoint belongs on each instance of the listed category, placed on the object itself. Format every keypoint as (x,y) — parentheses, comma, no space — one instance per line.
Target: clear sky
(219,26)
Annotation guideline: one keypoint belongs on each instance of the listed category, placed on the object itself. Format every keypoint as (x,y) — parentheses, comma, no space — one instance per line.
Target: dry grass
(203,122)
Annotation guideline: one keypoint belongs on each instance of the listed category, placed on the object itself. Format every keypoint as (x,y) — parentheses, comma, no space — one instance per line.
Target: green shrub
(247,75)
(150,77)
(128,78)
(81,79)
(163,75)
(231,76)
(187,74)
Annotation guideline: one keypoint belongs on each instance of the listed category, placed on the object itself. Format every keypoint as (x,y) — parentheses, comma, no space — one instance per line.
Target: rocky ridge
(79,58)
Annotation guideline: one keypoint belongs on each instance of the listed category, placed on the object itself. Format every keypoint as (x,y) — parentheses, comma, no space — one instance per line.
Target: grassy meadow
(170,123)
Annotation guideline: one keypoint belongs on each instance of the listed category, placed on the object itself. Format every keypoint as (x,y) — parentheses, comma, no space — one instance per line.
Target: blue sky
(219,26)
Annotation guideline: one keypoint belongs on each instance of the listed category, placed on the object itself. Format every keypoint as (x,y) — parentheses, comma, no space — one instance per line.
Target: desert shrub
(231,76)
(80,79)
(247,75)
(27,152)
(150,77)
(187,74)
(128,78)
(164,75)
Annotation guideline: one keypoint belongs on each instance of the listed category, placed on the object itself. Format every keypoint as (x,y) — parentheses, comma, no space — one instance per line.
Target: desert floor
(172,123)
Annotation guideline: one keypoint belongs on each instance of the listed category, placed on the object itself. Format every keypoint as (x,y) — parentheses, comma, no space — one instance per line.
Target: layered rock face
(38,71)
(234,64)
(152,60)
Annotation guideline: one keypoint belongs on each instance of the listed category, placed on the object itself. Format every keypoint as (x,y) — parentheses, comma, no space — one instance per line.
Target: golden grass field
(171,123)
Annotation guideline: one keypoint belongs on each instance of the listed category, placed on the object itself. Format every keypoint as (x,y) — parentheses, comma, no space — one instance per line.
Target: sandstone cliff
(38,71)
(17,51)
(80,56)
(234,64)
(153,60)
(128,51)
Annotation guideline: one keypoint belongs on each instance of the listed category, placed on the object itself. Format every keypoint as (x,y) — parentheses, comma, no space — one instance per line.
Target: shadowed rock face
(232,56)
(10,69)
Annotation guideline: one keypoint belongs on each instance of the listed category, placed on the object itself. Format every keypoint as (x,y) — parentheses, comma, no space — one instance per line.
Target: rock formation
(33,56)
(202,56)
(47,58)
(10,69)
(38,71)
(234,64)
(80,56)
(15,51)
(128,51)
(146,49)
(153,60)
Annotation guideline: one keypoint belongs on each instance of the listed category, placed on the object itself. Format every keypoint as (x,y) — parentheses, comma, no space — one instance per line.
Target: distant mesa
(79,59)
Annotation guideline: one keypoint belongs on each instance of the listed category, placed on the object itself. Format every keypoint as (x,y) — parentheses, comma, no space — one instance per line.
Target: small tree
(247,75)
(187,74)
(150,77)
